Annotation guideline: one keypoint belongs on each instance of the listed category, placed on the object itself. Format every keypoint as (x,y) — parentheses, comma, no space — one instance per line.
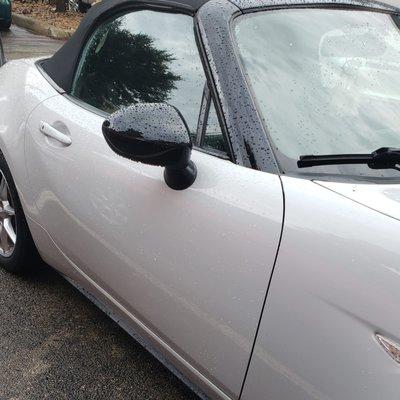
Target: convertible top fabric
(61,66)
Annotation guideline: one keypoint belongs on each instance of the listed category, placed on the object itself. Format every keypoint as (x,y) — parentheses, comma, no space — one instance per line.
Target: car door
(192,265)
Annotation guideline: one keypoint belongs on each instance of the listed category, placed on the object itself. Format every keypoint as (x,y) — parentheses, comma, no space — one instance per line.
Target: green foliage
(122,68)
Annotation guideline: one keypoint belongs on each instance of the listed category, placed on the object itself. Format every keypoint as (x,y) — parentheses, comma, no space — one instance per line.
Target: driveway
(19,43)
(54,343)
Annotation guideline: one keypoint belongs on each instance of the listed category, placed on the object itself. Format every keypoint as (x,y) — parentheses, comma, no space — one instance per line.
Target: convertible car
(221,177)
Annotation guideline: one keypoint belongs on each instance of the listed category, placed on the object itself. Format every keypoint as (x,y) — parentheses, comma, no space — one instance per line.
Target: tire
(5,26)
(18,256)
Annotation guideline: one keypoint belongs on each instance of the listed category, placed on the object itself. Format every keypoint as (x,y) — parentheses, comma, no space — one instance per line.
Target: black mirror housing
(151,133)
(154,134)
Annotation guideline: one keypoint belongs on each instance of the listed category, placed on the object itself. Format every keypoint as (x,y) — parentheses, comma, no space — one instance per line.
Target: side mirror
(155,134)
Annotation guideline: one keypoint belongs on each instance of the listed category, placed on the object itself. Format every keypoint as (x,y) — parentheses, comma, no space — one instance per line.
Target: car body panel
(52,254)
(22,88)
(21,79)
(382,198)
(193,266)
(336,284)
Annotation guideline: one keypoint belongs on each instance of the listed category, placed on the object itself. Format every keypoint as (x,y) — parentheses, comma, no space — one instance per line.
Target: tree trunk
(61,5)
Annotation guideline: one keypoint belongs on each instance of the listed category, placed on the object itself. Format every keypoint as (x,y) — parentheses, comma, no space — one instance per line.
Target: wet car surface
(54,343)
(20,43)
(243,275)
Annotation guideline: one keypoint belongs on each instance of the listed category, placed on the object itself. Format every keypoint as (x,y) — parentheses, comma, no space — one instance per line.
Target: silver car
(222,177)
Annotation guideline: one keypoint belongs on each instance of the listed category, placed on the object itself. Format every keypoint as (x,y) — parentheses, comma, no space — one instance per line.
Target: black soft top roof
(61,66)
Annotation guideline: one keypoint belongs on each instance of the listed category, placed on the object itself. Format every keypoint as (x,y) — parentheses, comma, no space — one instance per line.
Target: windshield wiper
(383,158)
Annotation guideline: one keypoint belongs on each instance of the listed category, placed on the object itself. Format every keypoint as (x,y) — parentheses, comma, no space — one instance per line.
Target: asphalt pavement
(19,43)
(54,343)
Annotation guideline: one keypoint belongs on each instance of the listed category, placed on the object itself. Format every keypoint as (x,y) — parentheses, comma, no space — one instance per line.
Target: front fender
(336,285)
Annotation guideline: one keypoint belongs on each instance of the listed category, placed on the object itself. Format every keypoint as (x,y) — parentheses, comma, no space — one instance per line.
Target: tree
(122,68)
(61,5)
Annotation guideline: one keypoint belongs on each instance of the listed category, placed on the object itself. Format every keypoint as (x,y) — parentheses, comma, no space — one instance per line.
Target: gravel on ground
(46,13)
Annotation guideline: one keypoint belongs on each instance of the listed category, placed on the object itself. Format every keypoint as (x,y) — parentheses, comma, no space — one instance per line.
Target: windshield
(326,82)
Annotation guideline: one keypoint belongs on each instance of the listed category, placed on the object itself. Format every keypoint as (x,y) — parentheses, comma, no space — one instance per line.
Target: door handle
(49,131)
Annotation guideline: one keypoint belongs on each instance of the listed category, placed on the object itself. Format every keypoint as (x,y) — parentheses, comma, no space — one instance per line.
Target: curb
(41,28)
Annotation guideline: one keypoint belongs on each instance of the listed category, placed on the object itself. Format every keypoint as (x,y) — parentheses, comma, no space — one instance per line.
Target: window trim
(203,116)
(39,66)
(86,106)
(212,152)
(212,88)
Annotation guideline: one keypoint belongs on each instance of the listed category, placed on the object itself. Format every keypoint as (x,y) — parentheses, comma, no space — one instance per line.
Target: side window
(142,57)
(209,133)
(213,137)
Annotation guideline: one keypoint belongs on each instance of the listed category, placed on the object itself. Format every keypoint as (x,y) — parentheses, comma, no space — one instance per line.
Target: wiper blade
(383,158)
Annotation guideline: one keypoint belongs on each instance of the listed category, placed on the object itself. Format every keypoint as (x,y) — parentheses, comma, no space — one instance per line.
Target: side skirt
(126,320)
(136,336)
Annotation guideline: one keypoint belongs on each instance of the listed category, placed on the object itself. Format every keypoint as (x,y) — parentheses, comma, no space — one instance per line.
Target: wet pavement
(54,343)
(19,43)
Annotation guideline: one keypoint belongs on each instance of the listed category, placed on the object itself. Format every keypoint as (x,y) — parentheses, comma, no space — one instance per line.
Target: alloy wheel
(8,231)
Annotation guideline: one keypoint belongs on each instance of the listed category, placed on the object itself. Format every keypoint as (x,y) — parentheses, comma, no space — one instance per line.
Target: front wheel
(17,250)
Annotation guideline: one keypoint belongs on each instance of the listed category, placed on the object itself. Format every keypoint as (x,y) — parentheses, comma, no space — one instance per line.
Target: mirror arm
(180,178)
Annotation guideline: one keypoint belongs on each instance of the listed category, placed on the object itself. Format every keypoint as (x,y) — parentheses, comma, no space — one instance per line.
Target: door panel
(192,265)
